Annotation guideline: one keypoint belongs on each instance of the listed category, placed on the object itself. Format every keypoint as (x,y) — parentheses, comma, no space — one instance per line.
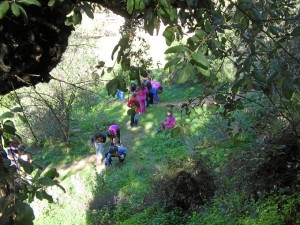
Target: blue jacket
(121,151)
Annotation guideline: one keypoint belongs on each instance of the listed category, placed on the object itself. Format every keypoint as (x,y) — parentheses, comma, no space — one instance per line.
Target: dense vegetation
(232,79)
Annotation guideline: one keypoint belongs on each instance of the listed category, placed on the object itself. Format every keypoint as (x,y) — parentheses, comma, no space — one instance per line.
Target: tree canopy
(259,37)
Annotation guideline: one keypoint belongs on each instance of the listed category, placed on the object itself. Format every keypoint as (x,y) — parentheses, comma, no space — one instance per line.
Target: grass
(122,195)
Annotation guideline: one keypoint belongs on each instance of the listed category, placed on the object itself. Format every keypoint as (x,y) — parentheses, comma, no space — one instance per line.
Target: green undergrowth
(128,195)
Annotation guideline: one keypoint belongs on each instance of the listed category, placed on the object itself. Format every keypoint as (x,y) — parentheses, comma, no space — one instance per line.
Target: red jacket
(131,104)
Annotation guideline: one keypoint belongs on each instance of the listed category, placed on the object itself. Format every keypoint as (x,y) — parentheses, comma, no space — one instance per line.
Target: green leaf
(51,3)
(130,6)
(9,127)
(288,87)
(39,195)
(22,118)
(30,2)
(25,17)
(295,32)
(76,18)
(6,115)
(69,21)
(139,4)
(200,58)
(186,73)
(28,168)
(122,44)
(4,7)
(172,62)
(169,35)
(46,181)
(46,196)
(200,33)
(50,173)
(88,10)
(176,49)
(207,26)
(23,214)
(15,8)
(17,109)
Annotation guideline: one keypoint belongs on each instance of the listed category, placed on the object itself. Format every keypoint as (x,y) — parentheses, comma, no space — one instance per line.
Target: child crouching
(115,151)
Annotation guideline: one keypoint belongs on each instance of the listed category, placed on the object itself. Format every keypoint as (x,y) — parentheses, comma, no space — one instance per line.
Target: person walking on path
(98,140)
(142,94)
(134,104)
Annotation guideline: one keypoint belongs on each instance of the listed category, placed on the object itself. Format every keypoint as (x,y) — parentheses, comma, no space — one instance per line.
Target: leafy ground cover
(142,191)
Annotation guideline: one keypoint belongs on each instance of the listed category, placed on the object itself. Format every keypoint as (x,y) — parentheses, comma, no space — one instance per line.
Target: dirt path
(128,138)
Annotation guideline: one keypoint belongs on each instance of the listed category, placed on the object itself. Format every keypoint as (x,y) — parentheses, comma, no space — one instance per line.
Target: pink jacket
(143,93)
(170,122)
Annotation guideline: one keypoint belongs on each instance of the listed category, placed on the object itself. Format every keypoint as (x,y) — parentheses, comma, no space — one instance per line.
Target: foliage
(20,181)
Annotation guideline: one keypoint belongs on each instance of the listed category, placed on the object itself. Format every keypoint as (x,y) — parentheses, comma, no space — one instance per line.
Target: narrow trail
(128,138)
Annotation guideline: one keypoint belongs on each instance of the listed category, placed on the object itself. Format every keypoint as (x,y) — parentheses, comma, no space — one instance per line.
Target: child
(132,87)
(113,133)
(142,93)
(157,89)
(98,141)
(170,122)
(115,151)
(134,104)
(120,95)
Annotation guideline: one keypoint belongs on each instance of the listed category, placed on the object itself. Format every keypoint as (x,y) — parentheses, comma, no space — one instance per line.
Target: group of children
(115,148)
(142,97)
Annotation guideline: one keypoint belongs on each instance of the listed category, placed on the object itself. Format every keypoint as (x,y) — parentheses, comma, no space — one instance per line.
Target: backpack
(131,112)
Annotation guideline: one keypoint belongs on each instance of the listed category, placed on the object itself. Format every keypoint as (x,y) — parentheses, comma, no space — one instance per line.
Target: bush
(189,183)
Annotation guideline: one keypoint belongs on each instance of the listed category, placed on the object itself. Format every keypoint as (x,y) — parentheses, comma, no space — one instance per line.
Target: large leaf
(15,8)
(177,49)
(25,17)
(6,115)
(30,2)
(186,73)
(17,109)
(172,62)
(88,9)
(9,127)
(4,7)
(169,35)
(77,17)
(46,181)
(140,5)
(200,58)
(46,196)
(51,3)
(200,33)
(130,6)
(28,168)
(50,173)
(122,44)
